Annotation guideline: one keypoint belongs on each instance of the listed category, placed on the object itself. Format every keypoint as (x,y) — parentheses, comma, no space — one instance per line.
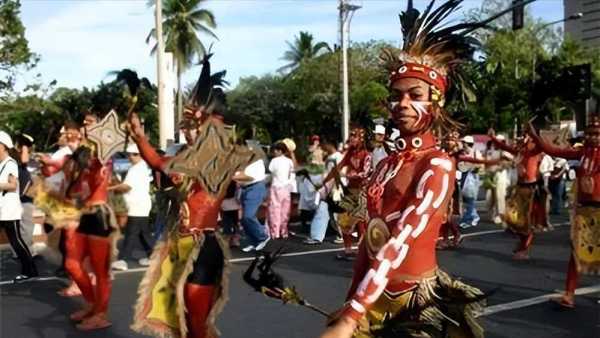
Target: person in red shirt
(526,209)
(357,165)
(585,255)
(396,275)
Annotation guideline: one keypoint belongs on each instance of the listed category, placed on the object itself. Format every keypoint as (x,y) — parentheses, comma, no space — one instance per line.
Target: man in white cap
(379,146)
(470,183)
(10,208)
(136,189)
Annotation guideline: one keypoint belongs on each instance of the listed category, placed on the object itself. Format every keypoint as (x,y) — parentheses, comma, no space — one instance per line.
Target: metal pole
(345,95)
(346,11)
(165,124)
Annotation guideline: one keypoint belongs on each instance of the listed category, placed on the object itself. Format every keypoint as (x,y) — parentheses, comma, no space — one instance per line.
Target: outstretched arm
(462,158)
(52,166)
(338,168)
(552,150)
(154,160)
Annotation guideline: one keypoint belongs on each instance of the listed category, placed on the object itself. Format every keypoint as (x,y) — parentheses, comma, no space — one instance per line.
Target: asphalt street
(518,308)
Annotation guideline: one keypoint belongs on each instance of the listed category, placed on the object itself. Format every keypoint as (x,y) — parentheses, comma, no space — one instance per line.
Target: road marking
(533,301)
(304,253)
(38,279)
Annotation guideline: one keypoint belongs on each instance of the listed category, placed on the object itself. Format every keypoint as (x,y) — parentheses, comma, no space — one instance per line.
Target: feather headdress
(432,49)
(209,89)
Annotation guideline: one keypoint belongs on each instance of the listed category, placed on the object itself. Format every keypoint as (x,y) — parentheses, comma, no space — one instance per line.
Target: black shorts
(96,224)
(208,267)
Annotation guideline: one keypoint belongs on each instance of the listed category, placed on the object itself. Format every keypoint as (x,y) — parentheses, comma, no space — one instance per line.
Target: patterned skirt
(519,208)
(435,307)
(585,239)
(160,309)
(355,205)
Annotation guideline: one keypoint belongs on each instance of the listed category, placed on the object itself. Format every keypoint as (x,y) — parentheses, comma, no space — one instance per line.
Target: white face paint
(421,107)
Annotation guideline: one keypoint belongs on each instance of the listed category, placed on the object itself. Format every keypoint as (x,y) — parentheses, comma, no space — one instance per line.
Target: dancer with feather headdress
(185,286)
(397,289)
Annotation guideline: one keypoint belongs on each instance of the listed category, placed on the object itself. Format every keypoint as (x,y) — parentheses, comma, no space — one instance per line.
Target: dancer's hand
(135,126)
(343,328)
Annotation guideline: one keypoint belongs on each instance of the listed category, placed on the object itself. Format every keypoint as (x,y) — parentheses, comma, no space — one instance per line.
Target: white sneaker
(120,265)
(248,248)
(338,240)
(144,262)
(262,244)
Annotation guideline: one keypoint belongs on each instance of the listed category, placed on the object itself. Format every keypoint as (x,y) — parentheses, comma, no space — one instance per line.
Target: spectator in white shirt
(254,191)
(10,208)
(136,189)
(281,168)
(379,146)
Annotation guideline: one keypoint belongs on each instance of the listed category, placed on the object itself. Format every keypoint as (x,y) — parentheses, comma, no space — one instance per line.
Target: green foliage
(14,49)
(307,101)
(510,62)
(302,49)
(43,117)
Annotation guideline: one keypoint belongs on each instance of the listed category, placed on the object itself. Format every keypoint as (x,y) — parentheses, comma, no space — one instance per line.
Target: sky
(80,41)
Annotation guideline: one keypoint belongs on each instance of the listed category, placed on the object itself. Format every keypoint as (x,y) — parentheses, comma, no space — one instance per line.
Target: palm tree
(182,21)
(302,49)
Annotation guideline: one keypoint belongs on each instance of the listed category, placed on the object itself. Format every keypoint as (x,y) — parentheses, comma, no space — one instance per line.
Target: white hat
(132,149)
(379,129)
(500,137)
(468,139)
(6,140)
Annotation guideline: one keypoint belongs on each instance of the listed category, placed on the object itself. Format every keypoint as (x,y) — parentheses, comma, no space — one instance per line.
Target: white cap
(132,149)
(468,139)
(6,140)
(379,129)
(500,137)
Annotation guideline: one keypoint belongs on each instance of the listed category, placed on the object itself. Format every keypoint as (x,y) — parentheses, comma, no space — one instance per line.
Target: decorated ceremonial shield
(107,137)
(558,137)
(377,236)
(213,159)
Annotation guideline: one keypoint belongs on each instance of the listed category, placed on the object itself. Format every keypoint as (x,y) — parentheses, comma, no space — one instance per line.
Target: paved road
(34,310)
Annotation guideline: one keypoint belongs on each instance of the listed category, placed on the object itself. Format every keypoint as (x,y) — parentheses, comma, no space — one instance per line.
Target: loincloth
(437,306)
(160,309)
(585,239)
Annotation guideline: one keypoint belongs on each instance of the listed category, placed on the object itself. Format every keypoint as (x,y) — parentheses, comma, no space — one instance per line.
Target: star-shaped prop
(107,136)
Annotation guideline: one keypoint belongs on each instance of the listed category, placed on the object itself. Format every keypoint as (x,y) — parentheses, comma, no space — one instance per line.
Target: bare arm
(552,150)
(11,185)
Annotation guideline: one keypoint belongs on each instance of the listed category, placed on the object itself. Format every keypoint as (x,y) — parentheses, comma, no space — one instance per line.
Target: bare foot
(521,256)
(95,322)
(70,291)
(80,315)
(566,301)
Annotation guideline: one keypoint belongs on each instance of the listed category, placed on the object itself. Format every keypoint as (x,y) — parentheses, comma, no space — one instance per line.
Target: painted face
(356,138)
(592,136)
(410,106)
(190,135)
(452,142)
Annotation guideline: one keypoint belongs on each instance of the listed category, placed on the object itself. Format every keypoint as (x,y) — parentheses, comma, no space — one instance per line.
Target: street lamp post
(346,12)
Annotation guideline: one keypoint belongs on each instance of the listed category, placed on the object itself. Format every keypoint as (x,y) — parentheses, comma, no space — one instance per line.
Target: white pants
(497,196)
